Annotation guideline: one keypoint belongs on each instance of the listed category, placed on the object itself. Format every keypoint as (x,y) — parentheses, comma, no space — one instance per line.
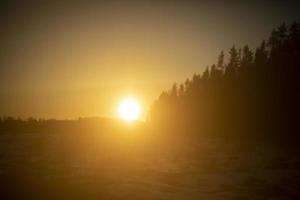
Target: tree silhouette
(253,95)
(231,68)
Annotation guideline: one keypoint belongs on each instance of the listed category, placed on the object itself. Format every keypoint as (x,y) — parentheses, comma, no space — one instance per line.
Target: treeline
(81,125)
(32,125)
(255,93)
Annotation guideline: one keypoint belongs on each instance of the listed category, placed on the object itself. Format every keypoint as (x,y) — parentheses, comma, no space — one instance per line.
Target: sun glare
(129,109)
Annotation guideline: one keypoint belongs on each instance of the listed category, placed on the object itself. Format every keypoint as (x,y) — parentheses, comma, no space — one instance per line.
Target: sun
(129,109)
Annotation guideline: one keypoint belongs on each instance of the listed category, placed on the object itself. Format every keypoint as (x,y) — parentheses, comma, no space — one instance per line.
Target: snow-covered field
(57,166)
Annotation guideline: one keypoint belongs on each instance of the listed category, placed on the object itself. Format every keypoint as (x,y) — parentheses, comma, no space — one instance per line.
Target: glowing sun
(129,109)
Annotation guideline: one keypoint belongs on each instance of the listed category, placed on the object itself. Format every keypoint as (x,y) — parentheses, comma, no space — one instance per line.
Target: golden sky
(66,60)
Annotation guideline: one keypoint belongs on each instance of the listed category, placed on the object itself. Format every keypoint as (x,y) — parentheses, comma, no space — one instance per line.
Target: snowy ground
(73,167)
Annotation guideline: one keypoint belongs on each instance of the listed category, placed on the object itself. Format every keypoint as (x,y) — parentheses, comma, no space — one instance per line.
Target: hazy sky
(64,59)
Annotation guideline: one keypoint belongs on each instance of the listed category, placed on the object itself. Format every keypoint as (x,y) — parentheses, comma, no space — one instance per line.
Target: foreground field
(89,166)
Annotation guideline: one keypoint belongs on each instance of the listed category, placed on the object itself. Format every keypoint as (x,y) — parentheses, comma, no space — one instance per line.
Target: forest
(252,94)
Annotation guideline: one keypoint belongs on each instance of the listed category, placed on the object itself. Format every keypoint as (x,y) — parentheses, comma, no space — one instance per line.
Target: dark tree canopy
(256,93)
